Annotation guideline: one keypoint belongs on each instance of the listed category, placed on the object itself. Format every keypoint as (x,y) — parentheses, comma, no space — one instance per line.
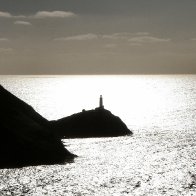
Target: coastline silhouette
(27,138)
(98,122)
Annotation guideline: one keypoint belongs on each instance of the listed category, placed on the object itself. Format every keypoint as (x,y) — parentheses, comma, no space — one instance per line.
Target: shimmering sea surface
(159,159)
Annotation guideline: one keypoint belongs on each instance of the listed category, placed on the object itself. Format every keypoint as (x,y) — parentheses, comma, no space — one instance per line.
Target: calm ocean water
(159,159)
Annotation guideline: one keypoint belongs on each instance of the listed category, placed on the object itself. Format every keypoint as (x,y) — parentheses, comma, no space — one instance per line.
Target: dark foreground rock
(92,123)
(26,138)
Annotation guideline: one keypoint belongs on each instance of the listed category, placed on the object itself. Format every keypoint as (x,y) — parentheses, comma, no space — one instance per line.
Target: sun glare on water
(159,159)
(133,98)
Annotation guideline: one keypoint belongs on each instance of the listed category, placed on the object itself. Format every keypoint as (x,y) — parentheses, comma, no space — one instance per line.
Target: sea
(158,159)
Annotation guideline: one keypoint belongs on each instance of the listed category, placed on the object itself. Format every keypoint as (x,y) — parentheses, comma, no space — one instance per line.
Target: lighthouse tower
(101,102)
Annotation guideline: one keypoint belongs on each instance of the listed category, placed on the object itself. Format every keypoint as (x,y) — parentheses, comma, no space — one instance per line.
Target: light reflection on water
(145,164)
(159,159)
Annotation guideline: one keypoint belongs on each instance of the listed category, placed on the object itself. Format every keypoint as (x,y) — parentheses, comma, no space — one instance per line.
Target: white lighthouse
(101,102)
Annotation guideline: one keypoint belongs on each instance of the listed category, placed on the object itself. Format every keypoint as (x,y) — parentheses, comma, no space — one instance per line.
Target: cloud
(19,22)
(134,39)
(193,39)
(147,39)
(5,15)
(124,35)
(83,37)
(53,14)
(3,39)
(8,15)
(116,36)
(91,36)
(40,15)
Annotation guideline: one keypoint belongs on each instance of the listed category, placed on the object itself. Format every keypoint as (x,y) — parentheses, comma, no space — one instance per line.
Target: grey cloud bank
(97,37)
(133,38)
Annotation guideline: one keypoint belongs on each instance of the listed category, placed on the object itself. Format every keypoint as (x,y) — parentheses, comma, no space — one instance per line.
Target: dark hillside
(25,136)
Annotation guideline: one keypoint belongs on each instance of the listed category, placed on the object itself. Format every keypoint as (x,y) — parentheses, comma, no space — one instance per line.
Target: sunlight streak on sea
(159,159)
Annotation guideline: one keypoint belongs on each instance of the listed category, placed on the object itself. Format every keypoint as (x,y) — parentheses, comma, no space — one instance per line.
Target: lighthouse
(101,102)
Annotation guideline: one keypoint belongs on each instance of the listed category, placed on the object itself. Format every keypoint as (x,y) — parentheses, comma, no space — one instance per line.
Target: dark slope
(93,123)
(25,136)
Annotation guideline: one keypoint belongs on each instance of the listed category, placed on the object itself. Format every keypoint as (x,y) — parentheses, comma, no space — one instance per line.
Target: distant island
(27,138)
(92,123)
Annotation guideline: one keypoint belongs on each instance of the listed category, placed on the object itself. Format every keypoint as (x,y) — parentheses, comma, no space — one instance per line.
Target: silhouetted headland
(92,123)
(26,137)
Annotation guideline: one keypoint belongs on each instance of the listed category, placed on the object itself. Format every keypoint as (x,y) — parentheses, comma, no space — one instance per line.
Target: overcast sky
(97,36)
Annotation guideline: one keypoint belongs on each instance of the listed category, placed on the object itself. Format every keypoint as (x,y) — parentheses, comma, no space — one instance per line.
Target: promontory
(98,122)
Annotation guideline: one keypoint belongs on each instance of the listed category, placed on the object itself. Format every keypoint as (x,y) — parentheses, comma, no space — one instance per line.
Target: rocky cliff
(25,136)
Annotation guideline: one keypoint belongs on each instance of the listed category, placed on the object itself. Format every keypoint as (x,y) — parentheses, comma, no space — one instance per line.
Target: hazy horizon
(97,37)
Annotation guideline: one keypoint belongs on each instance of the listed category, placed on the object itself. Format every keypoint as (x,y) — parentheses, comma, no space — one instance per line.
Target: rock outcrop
(26,138)
(92,123)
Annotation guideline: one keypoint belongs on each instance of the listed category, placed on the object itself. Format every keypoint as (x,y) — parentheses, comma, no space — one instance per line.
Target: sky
(97,37)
